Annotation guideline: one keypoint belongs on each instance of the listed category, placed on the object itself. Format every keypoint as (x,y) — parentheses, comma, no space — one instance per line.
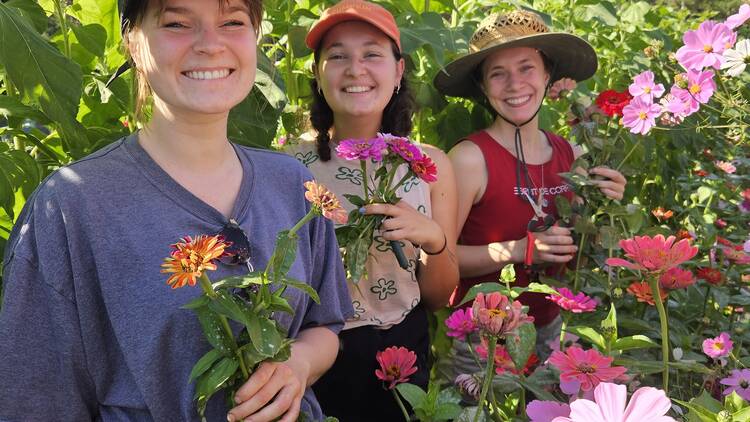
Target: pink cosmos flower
(701,85)
(401,146)
(679,102)
(704,46)
(362,149)
(739,18)
(396,365)
(425,169)
(495,315)
(545,411)
(739,382)
(461,323)
(725,166)
(746,246)
(589,367)
(718,347)
(653,254)
(647,404)
(643,87)
(577,303)
(560,88)
(676,278)
(640,116)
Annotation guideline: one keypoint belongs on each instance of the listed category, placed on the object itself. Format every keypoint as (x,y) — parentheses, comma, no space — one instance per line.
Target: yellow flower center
(499,313)
(708,49)
(642,115)
(393,371)
(647,89)
(695,88)
(719,345)
(586,368)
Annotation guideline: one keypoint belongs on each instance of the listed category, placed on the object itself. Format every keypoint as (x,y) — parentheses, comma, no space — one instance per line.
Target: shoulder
(274,166)
(303,149)
(466,154)
(436,154)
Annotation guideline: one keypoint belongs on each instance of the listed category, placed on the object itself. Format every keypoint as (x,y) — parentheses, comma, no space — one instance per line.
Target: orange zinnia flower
(642,292)
(326,202)
(661,214)
(191,257)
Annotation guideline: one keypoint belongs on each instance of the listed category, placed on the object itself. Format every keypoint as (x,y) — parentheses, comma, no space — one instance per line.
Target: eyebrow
(366,44)
(522,61)
(186,11)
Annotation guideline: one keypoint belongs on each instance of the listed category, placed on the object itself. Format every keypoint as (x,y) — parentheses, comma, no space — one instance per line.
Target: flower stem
(654,283)
(562,332)
(309,216)
(209,291)
(400,404)
(363,166)
(705,300)
(488,375)
(60,14)
(635,145)
(578,262)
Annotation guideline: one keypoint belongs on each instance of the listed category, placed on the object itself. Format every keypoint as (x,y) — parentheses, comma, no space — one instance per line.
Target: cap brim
(572,56)
(315,36)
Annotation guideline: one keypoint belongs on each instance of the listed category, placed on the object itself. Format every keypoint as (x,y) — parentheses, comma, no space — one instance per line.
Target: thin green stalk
(209,291)
(521,409)
(562,332)
(487,375)
(705,300)
(635,145)
(664,325)
(400,405)
(609,252)
(426,5)
(10,89)
(363,166)
(309,216)
(60,14)
(578,262)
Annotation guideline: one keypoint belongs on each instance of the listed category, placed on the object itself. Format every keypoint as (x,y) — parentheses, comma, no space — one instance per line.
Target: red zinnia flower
(588,367)
(424,168)
(191,257)
(661,214)
(642,292)
(396,365)
(612,102)
(676,278)
(711,275)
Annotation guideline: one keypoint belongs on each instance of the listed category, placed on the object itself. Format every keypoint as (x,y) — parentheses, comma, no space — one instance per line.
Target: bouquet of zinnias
(389,153)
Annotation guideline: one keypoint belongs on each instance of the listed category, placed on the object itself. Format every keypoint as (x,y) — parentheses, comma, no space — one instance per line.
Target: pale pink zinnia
(396,365)
(589,367)
(461,323)
(640,116)
(647,404)
(545,411)
(643,87)
(704,46)
(653,254)
(362,149)
(738,18)
(676,278)
(576,303)
(719,346)
(496,315)
(725,166)
(701,85)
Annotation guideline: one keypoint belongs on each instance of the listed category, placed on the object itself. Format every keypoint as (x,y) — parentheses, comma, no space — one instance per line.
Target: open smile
(518,101)
(206,75)
(357,89)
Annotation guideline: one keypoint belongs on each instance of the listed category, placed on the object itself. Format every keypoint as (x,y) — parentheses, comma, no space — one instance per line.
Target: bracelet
(445,244)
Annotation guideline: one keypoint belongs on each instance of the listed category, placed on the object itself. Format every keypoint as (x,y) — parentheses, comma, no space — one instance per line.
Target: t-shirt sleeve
(43,372)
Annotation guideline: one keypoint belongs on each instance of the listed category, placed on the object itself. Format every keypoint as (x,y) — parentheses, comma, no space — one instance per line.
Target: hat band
(508,34)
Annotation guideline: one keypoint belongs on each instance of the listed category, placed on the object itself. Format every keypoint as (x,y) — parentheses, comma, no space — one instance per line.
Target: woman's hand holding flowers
(613,187)
(404,222)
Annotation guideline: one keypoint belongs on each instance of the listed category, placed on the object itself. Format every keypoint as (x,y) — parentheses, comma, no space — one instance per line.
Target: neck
(506,132)
(348,127)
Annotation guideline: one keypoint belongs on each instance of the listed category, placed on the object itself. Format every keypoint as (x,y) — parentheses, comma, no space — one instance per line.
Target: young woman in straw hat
(360,90)
(89,329)
(511,168)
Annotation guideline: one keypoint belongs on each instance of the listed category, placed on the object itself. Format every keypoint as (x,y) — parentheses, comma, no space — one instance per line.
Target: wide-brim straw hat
(571,56)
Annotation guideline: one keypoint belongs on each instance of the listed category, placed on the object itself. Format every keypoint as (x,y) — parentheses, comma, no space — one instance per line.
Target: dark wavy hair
(396,115)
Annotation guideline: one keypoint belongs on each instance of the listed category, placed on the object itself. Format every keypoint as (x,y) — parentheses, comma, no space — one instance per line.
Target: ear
(134,47)
(400,66)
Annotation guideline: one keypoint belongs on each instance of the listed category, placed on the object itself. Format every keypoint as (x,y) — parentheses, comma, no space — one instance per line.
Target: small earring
(398,88)
(320,91)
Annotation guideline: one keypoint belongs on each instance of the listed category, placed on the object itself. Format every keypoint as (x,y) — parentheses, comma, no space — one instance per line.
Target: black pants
(350,390)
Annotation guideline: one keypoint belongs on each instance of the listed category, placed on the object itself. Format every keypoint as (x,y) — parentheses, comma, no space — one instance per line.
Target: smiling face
(513,80)
(198,56)
(357,70)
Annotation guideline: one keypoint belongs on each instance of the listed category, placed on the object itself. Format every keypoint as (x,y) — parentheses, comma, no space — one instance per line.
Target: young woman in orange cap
(360,90)
(511,168)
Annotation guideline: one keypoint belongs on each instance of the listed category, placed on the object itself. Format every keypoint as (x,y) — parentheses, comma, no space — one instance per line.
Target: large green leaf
(283,256)
(413,394)
(10,106)
(297,284)
(204,363)
(521,345)
(92,37)
(212,380)
(99,12)
(31,10)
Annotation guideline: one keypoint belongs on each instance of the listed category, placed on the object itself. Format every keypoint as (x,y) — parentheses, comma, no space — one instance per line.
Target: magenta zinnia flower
(401,146)
(704,46)
(589,367)
(640,116)
(495,315)
(461,323)
(701,85)
(739,382)
(643,87)
(647,404)
(725,166)
(425,169)
(653,254)
(576,303)
(361,149)
(396,365)
(545,411)
(738,18)
(719,346)
(676,278)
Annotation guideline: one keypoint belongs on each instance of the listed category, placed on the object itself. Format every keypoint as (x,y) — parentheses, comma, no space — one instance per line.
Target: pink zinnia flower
(704,46)
(736,254)
(425,169)
(701,85)
(326,202)
(719,346)
(647,404)
(589,367)
(545,411)
(396,365)
(679,102)
(576,303)
(401,146)
(676,278)
(725,166)
(739,18)
(362,149)
(739,382)
(461,323)
(640,116)
(643,87)
(653,254)
(495,315)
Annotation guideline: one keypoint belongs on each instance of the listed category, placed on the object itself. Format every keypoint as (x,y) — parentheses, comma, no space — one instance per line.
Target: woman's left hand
(274,390)
(406,223)
(613,186)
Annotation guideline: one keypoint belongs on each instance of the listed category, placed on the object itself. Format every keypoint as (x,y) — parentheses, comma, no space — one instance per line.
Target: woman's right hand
(553,245)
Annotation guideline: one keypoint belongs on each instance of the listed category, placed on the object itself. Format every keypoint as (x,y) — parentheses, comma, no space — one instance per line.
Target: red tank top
(501,214)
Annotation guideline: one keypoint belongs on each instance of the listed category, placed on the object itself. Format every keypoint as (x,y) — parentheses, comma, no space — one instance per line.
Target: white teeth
(519,100)
(211,74)
(357,88)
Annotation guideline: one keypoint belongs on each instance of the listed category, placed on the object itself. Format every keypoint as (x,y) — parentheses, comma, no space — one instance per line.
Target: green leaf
(521,345)
(609,237)
(101,12)
(411,393)
(241,282)
(541,288)
(355,200)
(564,209)
(355,256)
(92,37)
(703,414)
(204,363)
(297,284)
(212,380)
(279,303)
(734,403)
(199,302)
(230,306)
(539,390)
(283,256)
(484,288)
(31,11)
(446,412)
(637,341)
(12,107)
(603,12)
(584,226)
(213,329)
(609,325)
(588,334)
(264,335)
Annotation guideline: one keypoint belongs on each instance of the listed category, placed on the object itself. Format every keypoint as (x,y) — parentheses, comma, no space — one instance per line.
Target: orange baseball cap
(354,10)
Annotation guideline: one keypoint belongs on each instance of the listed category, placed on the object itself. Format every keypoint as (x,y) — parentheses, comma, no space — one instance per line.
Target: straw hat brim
(572,57)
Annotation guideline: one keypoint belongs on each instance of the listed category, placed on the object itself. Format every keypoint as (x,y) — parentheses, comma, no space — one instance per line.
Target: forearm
(438,277)
(477,260)
(315,349)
